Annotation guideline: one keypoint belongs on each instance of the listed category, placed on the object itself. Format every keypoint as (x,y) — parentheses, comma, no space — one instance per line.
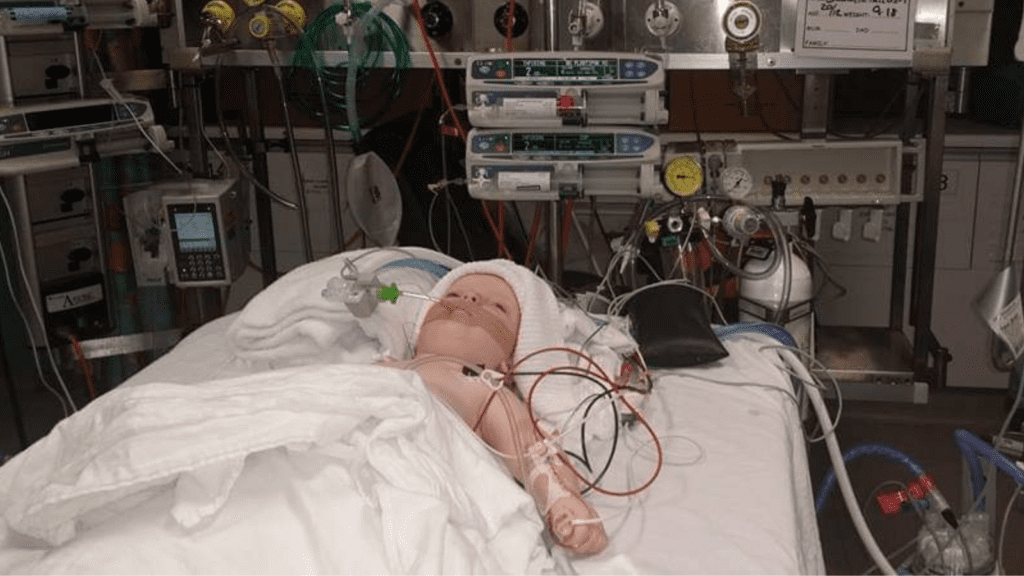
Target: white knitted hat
(540,326)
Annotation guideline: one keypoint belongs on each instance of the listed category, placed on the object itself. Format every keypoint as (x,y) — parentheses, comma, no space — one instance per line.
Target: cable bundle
(319,90)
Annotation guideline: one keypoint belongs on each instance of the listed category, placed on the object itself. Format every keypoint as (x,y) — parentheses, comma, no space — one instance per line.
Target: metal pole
(1018,178)
(925,239)
(264,213)
(552,24)
(554,242)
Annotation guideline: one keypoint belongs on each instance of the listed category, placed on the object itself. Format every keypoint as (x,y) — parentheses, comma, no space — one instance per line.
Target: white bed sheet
(733,498)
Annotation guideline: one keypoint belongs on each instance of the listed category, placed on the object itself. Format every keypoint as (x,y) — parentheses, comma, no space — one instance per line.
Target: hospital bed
(267,442)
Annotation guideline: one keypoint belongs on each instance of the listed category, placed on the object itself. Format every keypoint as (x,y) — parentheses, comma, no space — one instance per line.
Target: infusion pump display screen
(196,231)
(564,143)
(596,69)
(196,242)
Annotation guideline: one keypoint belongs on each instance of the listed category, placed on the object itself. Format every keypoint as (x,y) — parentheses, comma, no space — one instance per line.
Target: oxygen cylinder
(759,299)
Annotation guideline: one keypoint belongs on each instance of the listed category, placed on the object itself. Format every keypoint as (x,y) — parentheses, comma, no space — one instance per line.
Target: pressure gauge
(736,182)
(742,21)
(683,176)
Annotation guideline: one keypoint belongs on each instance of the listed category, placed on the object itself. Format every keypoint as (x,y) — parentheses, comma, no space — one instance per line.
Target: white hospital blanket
(338,469)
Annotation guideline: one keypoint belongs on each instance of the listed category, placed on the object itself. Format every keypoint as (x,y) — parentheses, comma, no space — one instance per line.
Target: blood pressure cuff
(672,325)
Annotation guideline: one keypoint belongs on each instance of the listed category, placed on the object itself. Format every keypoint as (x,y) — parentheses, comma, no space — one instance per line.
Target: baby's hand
(583,539)
(390,362)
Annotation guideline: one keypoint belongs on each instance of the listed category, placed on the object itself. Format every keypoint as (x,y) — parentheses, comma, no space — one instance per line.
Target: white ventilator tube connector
(836,456)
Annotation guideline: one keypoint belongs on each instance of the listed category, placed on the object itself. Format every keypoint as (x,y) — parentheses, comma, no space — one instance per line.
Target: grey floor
(923,431)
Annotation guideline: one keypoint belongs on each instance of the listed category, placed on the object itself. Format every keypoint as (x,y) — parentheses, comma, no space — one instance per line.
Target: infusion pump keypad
(197,267)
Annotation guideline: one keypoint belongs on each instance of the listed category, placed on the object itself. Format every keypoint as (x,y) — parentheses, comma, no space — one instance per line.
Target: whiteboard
(856,29)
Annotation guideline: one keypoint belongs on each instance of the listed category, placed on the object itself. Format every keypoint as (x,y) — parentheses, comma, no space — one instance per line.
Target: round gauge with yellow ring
(219,13)
(251,3)
(259,26)
(294,15)
(683,176)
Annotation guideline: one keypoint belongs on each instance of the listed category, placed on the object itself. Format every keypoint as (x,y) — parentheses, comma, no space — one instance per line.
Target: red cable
(534,229)
(509,24)
(566,227)
(86,370)
(501,228)
(437,67)
(614,386)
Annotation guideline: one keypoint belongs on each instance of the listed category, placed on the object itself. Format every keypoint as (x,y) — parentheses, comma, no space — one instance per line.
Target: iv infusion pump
(208,229)
(192,233)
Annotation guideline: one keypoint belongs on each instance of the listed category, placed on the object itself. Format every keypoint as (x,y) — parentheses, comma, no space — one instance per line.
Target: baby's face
(477,320)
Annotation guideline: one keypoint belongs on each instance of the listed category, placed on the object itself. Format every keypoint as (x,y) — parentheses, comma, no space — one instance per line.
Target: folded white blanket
(316,469)
(289,322)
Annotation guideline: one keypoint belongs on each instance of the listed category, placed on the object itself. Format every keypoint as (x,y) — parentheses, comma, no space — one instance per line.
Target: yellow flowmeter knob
(293,14)
(218,13)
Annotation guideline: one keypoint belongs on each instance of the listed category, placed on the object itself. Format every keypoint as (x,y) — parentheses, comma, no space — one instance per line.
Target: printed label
(74,299)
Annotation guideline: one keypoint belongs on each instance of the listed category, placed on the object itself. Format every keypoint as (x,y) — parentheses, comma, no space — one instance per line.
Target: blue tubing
(866,449)
(972,447)
(434,268)
(771,330)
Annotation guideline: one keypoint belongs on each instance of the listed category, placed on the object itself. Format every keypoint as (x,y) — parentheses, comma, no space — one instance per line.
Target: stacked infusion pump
(557,125)
(191,233)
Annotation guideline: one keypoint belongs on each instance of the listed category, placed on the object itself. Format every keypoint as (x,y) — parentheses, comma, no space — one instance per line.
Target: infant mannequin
(478,321)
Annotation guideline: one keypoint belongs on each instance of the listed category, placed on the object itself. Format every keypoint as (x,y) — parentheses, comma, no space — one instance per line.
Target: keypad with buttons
(201,266)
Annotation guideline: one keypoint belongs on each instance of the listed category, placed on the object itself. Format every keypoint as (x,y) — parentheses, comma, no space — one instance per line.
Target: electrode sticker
(74,298)
(1009,325)
(524,181)
(531,107)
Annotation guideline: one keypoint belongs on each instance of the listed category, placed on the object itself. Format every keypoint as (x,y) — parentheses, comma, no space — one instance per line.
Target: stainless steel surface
(865,354)
(972,32)
(118,345)
(910,393)
(701,30)
(698,45)
(817,97)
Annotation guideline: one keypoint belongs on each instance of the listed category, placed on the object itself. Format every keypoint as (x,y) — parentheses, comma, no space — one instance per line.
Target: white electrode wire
(35,309)
(28,329)
(844,479)
(108,87)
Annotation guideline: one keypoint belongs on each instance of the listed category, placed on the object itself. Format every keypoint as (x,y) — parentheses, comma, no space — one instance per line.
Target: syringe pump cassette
(551,89)
(557,163)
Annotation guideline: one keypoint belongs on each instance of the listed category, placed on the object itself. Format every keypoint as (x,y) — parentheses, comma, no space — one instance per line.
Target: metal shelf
(870,363)
(184,58)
